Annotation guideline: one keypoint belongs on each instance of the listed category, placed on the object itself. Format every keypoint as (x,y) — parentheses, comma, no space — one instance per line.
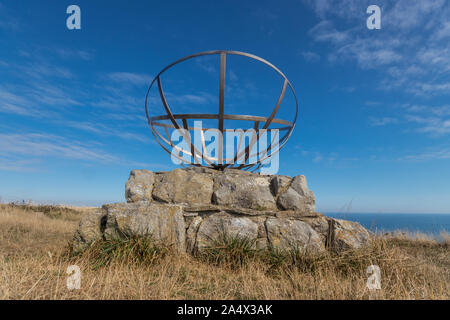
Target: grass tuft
(229,251)
(132,250)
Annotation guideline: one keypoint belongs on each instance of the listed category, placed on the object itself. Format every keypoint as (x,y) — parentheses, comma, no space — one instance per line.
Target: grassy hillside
(34,256)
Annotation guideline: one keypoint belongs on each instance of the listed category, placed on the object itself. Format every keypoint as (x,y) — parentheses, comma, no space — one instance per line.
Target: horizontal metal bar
(167,125)
(225,116)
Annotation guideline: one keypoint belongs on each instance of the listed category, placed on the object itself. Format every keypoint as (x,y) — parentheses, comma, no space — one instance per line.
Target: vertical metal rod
(166,106)
(223,58)
(185,126)
(274,112)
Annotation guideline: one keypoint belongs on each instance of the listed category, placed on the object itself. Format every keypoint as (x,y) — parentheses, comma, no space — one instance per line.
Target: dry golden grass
(34,258)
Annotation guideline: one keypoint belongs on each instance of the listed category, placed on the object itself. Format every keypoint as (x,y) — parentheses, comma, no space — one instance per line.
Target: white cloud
(13,103)
(407,15)
(44,70)
(104,130)
(433,56)
(431,88)
(310,56)
(201,98)
(324,31)
(407,46)
(46,145)
(349,9)
(442,32)
(127,78)
(35,100)
(432,125)
(74,54)
(442,154)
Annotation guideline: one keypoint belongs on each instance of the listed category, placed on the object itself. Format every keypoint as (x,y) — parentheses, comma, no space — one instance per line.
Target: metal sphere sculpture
(169,121)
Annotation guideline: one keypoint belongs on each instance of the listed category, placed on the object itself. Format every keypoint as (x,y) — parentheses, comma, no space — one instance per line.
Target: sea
(428,223)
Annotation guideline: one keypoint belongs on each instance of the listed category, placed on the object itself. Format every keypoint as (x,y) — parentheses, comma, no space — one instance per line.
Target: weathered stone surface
(90,229)
(348,235)
(291,200)
(300,185)
(191,234)
(184,187)
(287,234)
(320,224)
(243,191)
(139,186)
(297,197)
(214,226)
(278,184)
(190,208)
(162,222)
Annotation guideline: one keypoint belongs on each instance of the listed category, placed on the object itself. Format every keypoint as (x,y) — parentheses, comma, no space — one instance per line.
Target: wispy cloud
(195,99)
(45,145)
(104,130)
(325,31)
(408,15)
(433,125)
(377,122)
(137,79)
(34,100)
(310,56)
(18,165)
(210,64)
(13,103)
(349,9)
(39,70)
(432,88)
(317,156)
(7,20)
(395,54)
(68,53)
(443,154)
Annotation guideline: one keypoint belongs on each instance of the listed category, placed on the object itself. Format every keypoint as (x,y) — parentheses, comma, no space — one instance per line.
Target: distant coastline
(429,223)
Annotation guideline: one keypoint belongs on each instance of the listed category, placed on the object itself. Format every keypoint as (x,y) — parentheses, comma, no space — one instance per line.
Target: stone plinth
(189,208)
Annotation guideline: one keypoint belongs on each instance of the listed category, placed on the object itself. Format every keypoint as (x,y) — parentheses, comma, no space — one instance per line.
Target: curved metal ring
(194,153)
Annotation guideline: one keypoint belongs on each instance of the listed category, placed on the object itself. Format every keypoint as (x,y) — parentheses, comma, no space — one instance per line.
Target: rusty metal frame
(220,116)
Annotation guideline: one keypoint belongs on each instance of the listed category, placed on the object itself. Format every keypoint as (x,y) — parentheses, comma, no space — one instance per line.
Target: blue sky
(374,120)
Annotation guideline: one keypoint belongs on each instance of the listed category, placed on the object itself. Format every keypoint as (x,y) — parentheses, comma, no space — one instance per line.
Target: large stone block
(279,184)
(297,196)
(215,226)
(243,191)
(90,229)
(183,187)
(139,186)
(162,222)
(347,235)
(290,234)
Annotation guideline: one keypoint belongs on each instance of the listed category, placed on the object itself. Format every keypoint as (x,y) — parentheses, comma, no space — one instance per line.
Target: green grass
(227,250)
